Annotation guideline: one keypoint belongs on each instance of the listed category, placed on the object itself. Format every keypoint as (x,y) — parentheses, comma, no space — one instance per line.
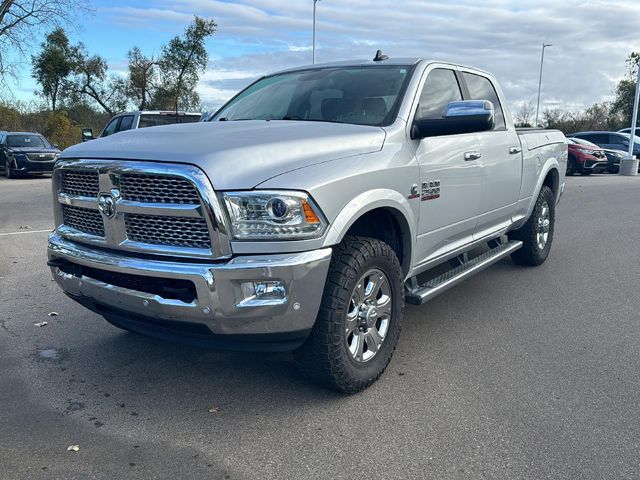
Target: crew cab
(25,152)
(307,211)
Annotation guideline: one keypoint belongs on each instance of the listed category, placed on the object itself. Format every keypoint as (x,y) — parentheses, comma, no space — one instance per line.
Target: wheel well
(552,180)
(389,226)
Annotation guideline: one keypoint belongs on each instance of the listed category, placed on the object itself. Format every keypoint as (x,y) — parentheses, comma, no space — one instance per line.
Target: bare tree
(90,79)
(142,78)
(523,117)
(21,22)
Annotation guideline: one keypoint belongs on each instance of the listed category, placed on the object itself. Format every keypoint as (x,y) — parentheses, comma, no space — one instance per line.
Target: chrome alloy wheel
(368,315)
(542,227)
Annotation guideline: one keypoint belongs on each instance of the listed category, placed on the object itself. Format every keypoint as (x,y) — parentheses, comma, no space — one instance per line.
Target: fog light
(272,292)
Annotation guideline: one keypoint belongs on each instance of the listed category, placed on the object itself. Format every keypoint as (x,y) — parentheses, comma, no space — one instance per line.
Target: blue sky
(591,39)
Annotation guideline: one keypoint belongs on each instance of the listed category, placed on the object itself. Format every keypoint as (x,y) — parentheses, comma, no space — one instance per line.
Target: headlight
(273,215)
(617,154)
(586,151)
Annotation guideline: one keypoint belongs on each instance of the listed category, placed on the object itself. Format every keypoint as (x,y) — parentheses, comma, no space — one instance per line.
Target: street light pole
(629,164)
(314,32)
(544,45)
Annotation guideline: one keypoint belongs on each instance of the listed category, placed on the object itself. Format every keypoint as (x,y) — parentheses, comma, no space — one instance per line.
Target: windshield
(26,141)
(356,95)
(586,143)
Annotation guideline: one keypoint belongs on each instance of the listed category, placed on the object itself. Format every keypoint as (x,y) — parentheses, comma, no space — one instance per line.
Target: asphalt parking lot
(516,373)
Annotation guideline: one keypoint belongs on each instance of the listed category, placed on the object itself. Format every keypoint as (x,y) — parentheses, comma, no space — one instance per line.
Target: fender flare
(367,202)
(551,164)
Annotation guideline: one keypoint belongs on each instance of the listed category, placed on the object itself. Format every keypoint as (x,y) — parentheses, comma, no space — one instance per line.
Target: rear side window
(154,120)
(480,88)
(618,140)
(598,139)
(440,88)
(125,123)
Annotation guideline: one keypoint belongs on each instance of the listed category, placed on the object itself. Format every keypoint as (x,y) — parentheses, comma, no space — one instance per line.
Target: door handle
(472,156)
(514,150)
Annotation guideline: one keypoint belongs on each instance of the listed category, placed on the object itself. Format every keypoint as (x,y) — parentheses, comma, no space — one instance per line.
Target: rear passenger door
(501,160)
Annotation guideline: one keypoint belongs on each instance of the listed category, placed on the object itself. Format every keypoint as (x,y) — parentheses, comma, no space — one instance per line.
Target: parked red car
(585,157)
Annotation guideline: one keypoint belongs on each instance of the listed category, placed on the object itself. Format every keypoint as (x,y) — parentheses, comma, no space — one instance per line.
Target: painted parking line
(22,232)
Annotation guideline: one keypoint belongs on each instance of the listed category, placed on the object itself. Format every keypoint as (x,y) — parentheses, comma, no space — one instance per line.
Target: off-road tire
(531,254)
(325,357)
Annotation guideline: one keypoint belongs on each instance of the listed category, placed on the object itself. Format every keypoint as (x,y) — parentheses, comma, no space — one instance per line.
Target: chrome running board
(419,294)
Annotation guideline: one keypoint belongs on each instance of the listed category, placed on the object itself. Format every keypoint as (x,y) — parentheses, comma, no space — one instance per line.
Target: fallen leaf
(40,324)
(214,409)
(24,227)
(53,314)
(73,448)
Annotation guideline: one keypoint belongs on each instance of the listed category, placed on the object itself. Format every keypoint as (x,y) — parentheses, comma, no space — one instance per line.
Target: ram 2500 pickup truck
(307,211)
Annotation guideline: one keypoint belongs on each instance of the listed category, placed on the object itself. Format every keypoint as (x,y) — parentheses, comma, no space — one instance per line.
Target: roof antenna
(380,56)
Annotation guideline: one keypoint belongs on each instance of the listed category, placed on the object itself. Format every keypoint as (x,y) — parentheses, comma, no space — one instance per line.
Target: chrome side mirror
(466,116)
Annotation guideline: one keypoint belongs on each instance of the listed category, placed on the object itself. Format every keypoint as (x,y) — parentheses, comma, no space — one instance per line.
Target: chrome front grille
(83,219)
(82,184)
(41,157)
(164,230)
(158,189)
(145,207)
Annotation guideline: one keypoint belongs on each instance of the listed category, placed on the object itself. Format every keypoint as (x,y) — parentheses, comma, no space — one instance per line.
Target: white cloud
(590,39)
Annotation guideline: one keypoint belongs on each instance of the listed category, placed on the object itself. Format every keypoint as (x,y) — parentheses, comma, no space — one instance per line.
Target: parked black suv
(24,152)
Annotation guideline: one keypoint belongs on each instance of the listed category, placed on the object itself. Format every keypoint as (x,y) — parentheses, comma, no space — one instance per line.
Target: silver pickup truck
(307,211)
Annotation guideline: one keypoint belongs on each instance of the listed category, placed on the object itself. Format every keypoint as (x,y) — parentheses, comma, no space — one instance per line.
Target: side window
(598,139)
(125,123)
(480,88)
(617,140)
(111,128)
(440,88)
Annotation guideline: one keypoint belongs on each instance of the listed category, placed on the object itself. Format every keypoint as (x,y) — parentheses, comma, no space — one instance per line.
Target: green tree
(181,63)
(10,118)
(622,106)
(53,65)
(60,130)
(21,21)
(142,78)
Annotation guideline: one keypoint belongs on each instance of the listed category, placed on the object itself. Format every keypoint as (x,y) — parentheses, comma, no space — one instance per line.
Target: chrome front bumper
(220,303)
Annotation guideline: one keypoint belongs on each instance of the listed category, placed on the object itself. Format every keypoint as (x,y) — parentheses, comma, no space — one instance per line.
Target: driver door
(450,173)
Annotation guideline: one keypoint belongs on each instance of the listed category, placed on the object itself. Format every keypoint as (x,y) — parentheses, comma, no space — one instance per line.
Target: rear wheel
(537,234)
(358,324)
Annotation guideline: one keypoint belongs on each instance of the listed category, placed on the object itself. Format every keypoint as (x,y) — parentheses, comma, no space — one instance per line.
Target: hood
(595,148)
(239,154)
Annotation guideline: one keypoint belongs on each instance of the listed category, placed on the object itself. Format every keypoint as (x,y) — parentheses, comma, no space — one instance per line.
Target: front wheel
(571,166)
(7,170)
(358,324)
(537,234)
